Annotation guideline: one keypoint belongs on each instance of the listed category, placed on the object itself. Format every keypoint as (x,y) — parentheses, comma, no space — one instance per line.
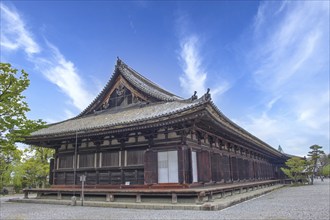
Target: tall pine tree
(315,154)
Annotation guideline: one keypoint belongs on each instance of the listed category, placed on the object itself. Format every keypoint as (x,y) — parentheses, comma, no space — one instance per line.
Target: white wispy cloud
(290,63)
(51,63)
(64,74)
(14,34)
(194,76)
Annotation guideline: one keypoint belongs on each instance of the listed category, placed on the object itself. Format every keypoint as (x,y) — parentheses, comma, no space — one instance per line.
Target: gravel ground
(304,202)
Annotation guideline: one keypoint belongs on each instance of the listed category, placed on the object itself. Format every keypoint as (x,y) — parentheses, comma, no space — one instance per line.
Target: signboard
(82,178)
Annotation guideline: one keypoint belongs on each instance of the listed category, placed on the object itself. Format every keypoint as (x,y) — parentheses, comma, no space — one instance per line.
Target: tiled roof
(146,85)
(139,82)
(240,131)
(113,118)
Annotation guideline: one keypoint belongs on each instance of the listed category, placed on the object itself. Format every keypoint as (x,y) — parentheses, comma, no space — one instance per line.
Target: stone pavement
(303,202)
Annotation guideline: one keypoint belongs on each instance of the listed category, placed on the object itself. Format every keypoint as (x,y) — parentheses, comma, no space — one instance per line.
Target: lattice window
(110,159)
(65,161)
(134,157)
(86,160)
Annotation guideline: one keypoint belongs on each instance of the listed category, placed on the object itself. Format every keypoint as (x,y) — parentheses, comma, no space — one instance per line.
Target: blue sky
(266,63)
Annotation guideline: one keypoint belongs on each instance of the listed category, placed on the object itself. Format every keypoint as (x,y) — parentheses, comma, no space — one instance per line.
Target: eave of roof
(112,118)
(240,131)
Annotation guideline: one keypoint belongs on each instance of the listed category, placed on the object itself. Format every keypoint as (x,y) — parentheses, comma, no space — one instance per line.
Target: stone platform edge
(217,204)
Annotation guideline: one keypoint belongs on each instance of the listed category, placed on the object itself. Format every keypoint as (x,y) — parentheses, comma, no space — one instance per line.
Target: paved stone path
(304,202)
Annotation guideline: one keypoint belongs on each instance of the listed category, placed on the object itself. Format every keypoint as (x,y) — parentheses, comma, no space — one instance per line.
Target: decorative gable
(125,88)
(122,94)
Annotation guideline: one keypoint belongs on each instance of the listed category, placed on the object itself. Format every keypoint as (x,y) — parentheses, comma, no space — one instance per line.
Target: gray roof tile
(112,118)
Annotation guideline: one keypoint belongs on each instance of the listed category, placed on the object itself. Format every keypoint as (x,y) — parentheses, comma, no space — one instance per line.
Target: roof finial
(208,95)
(118,61)
(194,96)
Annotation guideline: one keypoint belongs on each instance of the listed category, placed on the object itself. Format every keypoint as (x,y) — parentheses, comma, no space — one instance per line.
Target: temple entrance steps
(212,197)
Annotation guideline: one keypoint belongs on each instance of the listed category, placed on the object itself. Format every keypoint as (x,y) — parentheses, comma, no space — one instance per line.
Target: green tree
(40,159)
(295,168)
(314,154)
(14,124)
(325,171)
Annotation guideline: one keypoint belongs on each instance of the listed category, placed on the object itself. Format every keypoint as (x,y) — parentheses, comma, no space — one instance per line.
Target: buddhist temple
(136,134)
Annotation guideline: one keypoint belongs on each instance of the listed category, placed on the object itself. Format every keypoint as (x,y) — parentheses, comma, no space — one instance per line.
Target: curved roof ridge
(98,96)
(147,81)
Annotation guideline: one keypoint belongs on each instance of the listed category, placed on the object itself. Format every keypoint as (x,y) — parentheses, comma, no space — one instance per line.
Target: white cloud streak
(64,74)
(195,76)
(52,64)
(14,35)
(290,59)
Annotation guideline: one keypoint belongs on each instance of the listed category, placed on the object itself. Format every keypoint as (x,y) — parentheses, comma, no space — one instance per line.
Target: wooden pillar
(184,164)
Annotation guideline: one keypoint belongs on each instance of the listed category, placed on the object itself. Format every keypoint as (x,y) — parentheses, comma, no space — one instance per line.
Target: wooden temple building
(136,134)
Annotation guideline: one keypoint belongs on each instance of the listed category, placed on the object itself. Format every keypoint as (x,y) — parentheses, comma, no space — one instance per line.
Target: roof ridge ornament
(119,61)
(194,96)
(207,95)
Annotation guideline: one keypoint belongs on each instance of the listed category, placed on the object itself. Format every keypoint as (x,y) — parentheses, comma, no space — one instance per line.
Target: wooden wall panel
(215,166)
(65,161)
(204,169)
(91,178)
(150,167)
(135,157)
(240,167)
(69,179)
(184,164)
(251,173)
(246,169)
(110,159)
(130,177)
(234,168)
(140,177)
(86,160)
(115,177)
(225,168)
(60,178)
(104,178)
